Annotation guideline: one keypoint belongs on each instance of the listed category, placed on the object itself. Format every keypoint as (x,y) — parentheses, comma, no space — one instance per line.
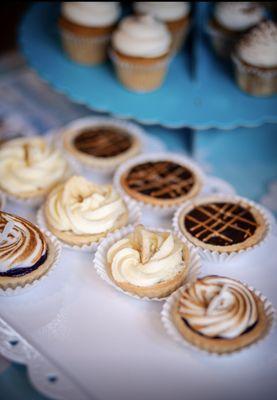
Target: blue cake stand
(208,98)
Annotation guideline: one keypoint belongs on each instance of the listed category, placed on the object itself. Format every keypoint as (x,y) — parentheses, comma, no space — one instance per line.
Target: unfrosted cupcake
(175,14)
(230,21)
(86,29)
(140,52)
(30,168)
(255,60)
(79,212)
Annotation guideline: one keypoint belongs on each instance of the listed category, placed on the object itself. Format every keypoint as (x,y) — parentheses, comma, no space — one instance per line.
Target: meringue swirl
(83,207)
(22,245)
(145,258)
(28,165)
(163,10)
(218,307)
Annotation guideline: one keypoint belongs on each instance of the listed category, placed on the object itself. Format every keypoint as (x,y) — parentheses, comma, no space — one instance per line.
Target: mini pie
(25,253)
(79,212)
(163,183)
(222,225)
(219,315)
(148,263)
(101,145)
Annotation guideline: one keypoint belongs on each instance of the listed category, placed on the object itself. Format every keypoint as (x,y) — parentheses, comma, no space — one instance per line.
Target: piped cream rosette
(80,213)
(146,263)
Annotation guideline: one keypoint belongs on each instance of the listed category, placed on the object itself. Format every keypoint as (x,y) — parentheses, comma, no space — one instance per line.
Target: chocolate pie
(161,182)
(222,225)
(101,144)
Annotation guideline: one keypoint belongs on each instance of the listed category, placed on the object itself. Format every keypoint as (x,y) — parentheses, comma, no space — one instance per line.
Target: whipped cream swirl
(91,13)
(238,16)
(218,307)
(145,258)
(30,165)
(141,37)
(83,207)
(22,245)
(259,46)
(163,10)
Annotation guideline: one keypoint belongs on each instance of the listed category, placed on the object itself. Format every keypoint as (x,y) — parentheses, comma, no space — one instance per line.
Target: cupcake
(255,60)
(30,168)
(221,224)
(163,181)
(86,29)
(79,212)
(220,315)
(140,52)
(26,255)
(101,143)
(175,14)
(148,263)
(230,21)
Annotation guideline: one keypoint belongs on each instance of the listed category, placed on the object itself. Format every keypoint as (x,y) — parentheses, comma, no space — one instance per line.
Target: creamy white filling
(92,13)
(238,16)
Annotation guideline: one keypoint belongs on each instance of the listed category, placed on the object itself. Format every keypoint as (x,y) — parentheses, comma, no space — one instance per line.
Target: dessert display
(163,183)
(148,263)
(25,253)
(79,212)
(30,168)
(255,60)
(101,143)
(230,21)
(220,315)
(141,52)
(175,14)
(86,28)
(222,225)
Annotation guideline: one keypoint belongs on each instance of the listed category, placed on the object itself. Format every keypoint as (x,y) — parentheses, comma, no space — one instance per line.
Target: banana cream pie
(219,315)
(148,262)
(25,253)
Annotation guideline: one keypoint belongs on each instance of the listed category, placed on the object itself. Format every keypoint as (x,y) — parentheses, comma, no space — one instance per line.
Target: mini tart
(101,145)
(161,289)
(163,183)
(42,247)
(222,225)
(195,294)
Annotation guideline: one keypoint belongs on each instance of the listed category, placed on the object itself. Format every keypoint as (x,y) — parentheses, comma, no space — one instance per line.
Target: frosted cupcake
(255,60)
(140,52)
(230,21)
(80,212)
(175,14)
(30,168)
(86,29)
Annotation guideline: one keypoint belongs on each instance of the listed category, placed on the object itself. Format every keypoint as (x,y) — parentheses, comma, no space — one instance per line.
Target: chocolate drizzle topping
(103,141)
(220,224)
(161,179)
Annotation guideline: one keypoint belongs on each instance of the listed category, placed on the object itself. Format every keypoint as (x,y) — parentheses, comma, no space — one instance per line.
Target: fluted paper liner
(215,256)
(2,201)
(100,261)
(173,332)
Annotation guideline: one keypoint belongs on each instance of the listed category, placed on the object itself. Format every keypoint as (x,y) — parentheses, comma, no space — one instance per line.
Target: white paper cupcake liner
(134,218)
(56,248)
(2,201)
(162,210)
(215,256)
(125,64)
(100,262)
(173,332)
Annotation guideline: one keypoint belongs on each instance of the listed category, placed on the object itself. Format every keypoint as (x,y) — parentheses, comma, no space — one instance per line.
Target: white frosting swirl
(145,258)
(218,307)
(141,37)
(83,207)
(91,13)
(29,165)
(163,10)
(238,16)
(259,46)
(22,245)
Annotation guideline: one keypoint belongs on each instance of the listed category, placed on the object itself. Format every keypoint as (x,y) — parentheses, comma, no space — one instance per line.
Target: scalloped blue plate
(209,99)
